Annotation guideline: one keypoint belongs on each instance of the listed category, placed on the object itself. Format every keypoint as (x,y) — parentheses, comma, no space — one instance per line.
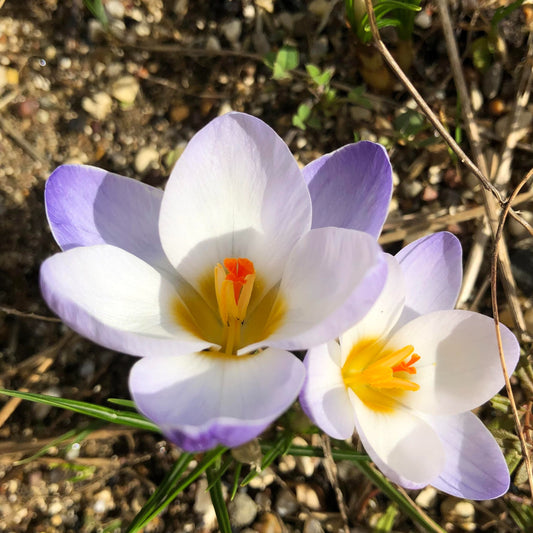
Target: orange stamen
(407,366)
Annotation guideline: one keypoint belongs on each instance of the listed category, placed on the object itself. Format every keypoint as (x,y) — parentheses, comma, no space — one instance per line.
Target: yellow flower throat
(379,376)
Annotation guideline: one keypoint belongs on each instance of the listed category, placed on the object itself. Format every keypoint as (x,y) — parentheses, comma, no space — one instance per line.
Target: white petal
(236,191)
(383,315)
(101,291)
(459,367)
(323,270)
(403,442)
(200,400)
(324,397)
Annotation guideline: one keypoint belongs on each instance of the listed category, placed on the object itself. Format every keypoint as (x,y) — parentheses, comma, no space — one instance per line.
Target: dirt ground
(128,99)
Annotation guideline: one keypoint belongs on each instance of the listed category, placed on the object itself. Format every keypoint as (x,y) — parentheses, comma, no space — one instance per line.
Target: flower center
(380,376)
(234,283)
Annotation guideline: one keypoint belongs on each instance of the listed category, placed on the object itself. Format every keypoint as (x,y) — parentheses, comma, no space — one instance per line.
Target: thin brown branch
(48,356)
(331,471)
(33,316)
(485,231)
(495,312)
(437,124)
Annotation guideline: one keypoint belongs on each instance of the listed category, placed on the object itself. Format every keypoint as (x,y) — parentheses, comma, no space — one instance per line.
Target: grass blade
(125,418)
(395,495)
(217,499)
(171,486)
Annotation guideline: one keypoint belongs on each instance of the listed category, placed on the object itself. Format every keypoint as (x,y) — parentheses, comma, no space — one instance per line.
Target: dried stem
(485,231)
(495,312)
(450,141)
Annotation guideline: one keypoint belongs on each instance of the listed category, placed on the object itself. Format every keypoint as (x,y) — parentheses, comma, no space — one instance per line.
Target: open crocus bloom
(407,375)
(214,280)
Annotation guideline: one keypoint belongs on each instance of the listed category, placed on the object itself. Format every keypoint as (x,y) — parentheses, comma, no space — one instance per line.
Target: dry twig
(495,312)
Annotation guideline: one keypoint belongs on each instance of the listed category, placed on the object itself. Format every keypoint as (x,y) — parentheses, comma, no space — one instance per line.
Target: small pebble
(423,19)
(146,159)
(268,523)
(125,89)
(232,30)
(242,510)
(103,502)
(286,503)
(411,189)
(308,496)
(142,29)
(115,9)
(460,513)
(98,105)
(492,80)
(429,194)
(476,98)
(427,497)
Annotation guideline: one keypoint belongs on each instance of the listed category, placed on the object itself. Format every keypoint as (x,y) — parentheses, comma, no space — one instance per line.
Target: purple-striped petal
(351,187)
(432,269)
(200,400)
(87,205)
(475,467)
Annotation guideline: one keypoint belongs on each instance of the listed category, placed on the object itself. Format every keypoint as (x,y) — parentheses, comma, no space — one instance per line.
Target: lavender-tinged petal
(459,366)
(324,273)
(115,299)
(432,268)
(236,191)
(324,397)
(200,400)
(475,467)
(87,205)
(351,187)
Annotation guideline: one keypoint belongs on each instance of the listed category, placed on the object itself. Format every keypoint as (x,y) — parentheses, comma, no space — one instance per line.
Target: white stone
(146,158)
(232,30)
(98,105)
(125,89)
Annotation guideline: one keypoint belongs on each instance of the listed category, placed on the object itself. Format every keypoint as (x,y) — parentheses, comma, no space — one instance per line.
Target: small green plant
(399,14)
(282,62)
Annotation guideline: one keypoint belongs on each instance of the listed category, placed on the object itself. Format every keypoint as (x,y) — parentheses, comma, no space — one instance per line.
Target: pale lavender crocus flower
(214,280)
(406,376)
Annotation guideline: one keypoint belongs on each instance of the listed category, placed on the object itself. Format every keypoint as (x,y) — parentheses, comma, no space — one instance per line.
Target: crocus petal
(383,315)
(432,269)
(459,367)
(115,299)
(351,187)
(325,267)
(324,397)
(475,467)
(203,399)
(236,191)
(87,206)
(400,440)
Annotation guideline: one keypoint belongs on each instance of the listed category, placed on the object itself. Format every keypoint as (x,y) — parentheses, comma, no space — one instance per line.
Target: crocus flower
(212,281)
(406,376)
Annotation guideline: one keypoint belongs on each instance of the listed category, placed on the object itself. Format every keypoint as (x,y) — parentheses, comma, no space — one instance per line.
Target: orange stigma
(407,366)
(233,288)
(238,269)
